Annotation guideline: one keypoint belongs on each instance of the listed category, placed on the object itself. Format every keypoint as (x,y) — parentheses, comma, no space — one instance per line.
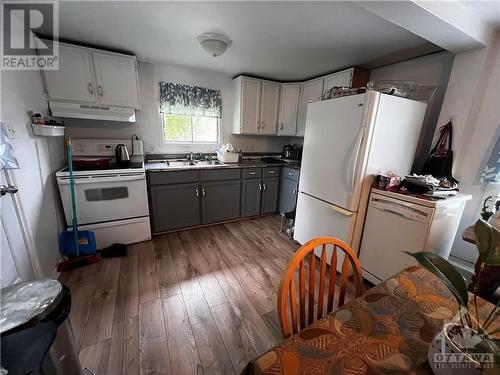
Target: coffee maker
(292,152)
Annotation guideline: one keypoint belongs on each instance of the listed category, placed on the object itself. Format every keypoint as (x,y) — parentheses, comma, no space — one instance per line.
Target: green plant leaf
(483,232)
(446,273)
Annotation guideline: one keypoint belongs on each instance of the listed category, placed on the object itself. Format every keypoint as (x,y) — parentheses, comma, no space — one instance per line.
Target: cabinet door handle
(270,172)
(197,192)
(290,173)
(281,127)
(251,173)
(294,191)
(260,187)
(263,186)
(203,192)
(99,90)
(91,88)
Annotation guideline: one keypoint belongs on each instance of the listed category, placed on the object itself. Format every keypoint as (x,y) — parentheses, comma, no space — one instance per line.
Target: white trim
(25,230)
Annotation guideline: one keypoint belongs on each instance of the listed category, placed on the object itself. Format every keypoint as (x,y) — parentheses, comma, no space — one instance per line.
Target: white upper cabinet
(268,108)
(270,93)
(289,103)
(74,81)
(256,106)
(87,75)
(311,92)
(116,79)
(247,120)
(340,79)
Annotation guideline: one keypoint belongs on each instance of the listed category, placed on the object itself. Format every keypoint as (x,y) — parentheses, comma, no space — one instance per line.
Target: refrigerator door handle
(354,164)
(341,210)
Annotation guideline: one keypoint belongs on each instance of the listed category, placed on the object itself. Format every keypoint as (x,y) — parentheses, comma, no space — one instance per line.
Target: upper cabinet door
(289,103)
(73,81)
(311,92)
(340,79)
(269,105)
(116,79)
(250,106)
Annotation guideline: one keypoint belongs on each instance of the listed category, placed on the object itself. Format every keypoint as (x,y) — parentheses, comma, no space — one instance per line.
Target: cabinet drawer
(271,172)
(251,172)
(220,174)
(290,173)
(172,177)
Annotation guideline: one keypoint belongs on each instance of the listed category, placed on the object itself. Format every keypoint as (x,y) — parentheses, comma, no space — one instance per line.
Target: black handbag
(439,163)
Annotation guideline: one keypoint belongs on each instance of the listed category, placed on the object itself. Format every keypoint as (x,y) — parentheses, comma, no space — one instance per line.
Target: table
(386,330)
(469,235)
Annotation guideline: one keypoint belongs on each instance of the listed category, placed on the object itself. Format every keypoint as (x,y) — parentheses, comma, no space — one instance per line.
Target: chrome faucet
(189,156)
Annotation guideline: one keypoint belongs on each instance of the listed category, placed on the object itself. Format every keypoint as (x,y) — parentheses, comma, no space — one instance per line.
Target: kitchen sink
(179,163)
(207,162)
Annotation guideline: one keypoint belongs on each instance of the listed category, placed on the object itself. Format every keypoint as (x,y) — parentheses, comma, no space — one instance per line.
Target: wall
(472,101)
(433,70)
(148,125)
(39,158)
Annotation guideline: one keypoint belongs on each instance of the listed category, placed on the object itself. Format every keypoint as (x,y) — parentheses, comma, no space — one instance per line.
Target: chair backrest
(305,261)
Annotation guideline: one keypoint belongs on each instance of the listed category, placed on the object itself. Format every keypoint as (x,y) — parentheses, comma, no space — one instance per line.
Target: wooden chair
(287,296)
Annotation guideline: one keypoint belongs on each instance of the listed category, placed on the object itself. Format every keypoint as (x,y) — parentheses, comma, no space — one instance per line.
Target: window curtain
(179,99)
(491,172)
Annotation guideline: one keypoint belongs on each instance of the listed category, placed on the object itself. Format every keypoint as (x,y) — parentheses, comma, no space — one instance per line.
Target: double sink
(176,163)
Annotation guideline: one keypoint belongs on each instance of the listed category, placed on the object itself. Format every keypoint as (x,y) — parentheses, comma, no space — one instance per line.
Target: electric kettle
(122,156)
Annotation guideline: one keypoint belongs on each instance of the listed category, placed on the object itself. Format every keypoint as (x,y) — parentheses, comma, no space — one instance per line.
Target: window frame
(169,142)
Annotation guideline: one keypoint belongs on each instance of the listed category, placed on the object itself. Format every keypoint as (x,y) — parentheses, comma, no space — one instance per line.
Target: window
(190,114)
(190,129)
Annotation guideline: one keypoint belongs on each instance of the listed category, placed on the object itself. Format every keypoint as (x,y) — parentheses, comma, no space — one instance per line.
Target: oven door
(102,198)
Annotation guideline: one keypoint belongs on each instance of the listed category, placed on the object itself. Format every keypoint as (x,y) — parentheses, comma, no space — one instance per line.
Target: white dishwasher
(395,223)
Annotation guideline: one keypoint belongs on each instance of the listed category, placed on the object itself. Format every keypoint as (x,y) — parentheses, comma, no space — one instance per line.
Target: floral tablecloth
(385,331)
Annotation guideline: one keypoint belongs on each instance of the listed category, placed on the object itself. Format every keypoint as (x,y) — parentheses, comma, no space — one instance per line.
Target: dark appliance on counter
(122,156)
(292,152)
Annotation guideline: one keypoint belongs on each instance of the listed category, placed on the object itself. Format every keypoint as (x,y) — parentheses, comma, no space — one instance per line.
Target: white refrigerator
(347,141)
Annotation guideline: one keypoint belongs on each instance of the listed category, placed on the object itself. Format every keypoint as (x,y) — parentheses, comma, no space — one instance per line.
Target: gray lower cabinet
(220,201)
(250,200)
(175,206)
(270,191)
(288,195)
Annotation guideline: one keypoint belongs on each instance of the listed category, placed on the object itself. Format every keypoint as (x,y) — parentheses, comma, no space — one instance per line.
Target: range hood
(91,111)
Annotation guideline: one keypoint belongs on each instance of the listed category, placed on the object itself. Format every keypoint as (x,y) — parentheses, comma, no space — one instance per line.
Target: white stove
(110,200)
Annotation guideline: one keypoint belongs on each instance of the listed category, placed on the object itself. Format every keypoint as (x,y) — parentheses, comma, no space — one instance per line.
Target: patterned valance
(179,99)
(491,172)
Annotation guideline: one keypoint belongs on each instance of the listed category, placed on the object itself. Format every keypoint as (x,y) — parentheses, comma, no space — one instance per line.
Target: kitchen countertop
(248,163)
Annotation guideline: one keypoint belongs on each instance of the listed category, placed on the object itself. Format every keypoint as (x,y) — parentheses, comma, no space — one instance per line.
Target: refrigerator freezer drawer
(316,218)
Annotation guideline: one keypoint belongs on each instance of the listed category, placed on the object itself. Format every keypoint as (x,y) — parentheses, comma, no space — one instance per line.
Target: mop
(78,245)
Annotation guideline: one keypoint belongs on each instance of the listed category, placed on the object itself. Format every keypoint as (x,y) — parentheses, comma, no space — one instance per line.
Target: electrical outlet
(9,130)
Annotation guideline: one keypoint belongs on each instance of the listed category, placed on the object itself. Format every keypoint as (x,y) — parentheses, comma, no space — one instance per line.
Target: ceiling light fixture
(214,44)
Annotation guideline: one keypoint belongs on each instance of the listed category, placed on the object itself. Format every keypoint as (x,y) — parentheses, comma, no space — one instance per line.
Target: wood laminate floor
(199,301)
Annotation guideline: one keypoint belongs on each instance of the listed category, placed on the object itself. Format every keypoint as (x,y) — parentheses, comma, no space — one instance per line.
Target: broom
(70,241)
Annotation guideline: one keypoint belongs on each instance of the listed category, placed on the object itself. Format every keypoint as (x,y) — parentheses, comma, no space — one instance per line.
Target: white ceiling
(281,40)
(487,11)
